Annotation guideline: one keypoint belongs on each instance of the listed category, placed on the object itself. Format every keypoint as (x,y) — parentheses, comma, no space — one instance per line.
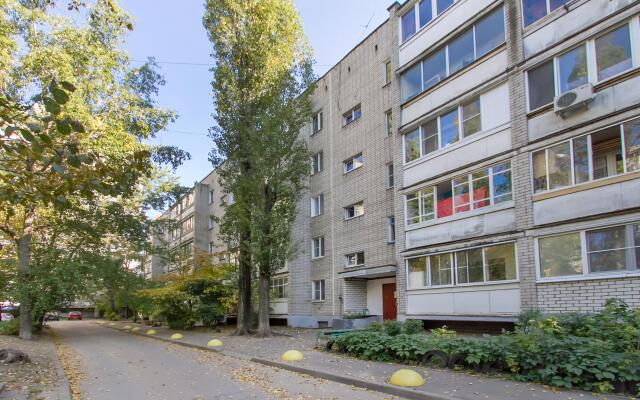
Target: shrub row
(598,352)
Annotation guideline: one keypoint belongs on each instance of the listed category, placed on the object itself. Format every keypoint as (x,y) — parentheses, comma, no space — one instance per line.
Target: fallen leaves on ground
(71,365)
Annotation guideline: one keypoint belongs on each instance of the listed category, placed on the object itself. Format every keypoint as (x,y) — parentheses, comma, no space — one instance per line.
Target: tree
(73,118)
(262,79)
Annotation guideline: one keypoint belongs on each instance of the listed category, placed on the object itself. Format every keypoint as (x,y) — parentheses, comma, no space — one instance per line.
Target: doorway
(389,305)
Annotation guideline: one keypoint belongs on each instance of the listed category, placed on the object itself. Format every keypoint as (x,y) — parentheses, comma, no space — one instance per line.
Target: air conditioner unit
(573,99)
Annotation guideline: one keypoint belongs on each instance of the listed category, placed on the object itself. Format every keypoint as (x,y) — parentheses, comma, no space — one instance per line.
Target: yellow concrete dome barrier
(135,329)
(176,336)
(214,343)
(112,324)
(406,378)
(292,355)
(151,332)
(126,327)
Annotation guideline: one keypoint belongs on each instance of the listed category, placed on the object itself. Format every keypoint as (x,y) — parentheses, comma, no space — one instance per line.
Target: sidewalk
(440,382)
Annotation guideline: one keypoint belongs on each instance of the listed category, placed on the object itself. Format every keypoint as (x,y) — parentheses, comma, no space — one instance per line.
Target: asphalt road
(114,365)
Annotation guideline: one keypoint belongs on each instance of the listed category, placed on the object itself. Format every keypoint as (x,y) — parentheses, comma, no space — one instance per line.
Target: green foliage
(355,316)
(597,352)
(111,316)
(10,328)
(413,326)
(392,328)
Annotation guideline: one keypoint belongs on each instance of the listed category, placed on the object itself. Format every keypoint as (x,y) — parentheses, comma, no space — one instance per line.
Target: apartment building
(345,229)
(519,163)
(189,228)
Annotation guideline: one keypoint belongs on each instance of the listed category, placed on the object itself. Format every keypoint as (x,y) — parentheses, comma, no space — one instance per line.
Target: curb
(2,385)
(347,380)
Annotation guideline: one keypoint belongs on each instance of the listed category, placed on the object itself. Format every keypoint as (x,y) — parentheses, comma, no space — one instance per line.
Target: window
(424,12)
(353,163)
(586,158)
(388,116)
(475,42)
(593,61)
(212,248)
(482,188)
(318,290)
(317,205)
(317,247)
(605,251)
(211,196)
(317,122)
(212,222)
(354,259)
(391,229)
(443,130)
(390,175)
(352,115)
(316,163)
(480,265)
(187,225)
(533,10)
(388,72)
(353,211)
(279,287)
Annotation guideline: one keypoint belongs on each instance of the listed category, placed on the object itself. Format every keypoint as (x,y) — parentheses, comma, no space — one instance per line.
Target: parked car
(52,316)
(74,315)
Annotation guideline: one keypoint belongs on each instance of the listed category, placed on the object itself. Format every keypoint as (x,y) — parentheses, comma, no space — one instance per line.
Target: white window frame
(352,161)
(391,229)
(549,11)
(356,206)
(446,49)
(352,115)
(348,257)
(454,268)
(434,16)
(625,171)
(320,254)
(388,122)
(317,160)
(317,205)
(320,291)
(438,118)
(317,122)
(469,176)
(586,275)
(277,283)
(390,176)
(387,70)
(592,68)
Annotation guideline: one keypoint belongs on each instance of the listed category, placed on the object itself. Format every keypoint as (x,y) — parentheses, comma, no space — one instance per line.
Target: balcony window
(354,260)
(279,287)
(613,52)
(434,70)
(601,251)
(572,69)
(471,120)
(533,10)
(478,189)
(541,89)
(586,158)
(489,33)
(411,82)
(412,145)
(425,11)
(408,22)
(461,51)
(481,265)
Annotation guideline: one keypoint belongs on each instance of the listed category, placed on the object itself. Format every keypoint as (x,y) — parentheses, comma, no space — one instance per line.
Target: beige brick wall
(587,295)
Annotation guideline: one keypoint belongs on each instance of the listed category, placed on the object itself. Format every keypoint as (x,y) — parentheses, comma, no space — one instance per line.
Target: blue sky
(172,32)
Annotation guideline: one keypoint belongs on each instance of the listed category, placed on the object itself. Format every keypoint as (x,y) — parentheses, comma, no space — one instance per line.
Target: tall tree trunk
(264,282)
(24,276)
(244,286)
(112,300)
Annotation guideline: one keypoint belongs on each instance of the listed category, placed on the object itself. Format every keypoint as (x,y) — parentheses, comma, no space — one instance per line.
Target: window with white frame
(479,265)
(391,229)
(211,196)
(602,154)
(481,188)
(354,259)
(390,181)
(443,131)
(353,163)
(352,115)
(317,205)
(212,248)
(317,247)
(317,162)
(317,122)
(318,290)
(601,251)
(212,222)
(388,72)
(420,14)
(478,40)
(389,122)
(533,10)
(279,287)
(594,61)
(187,225)
(354,210)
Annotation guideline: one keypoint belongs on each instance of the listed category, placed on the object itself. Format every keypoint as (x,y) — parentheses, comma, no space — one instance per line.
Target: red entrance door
(389,307)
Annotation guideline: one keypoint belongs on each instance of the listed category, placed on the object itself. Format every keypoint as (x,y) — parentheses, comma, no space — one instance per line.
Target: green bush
(11,327)
(598,352)
(111,316)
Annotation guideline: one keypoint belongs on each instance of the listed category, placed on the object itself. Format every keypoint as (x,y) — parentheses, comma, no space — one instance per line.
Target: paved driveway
(114,365)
